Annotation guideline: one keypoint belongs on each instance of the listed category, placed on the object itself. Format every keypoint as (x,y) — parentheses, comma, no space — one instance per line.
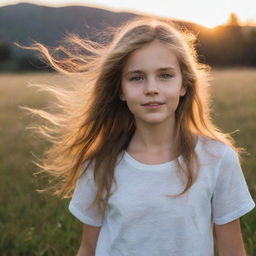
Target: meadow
(37,224)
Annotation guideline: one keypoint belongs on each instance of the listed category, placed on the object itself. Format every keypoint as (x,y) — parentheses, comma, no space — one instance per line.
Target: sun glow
(210,22)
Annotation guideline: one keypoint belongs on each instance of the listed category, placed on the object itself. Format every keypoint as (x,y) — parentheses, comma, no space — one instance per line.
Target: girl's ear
(122,97)
(182,91)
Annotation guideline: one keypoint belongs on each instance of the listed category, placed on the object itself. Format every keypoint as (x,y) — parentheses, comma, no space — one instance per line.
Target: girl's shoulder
(210,147)
(86,170)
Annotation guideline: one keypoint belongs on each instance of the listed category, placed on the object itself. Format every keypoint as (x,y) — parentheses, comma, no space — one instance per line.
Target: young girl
(151,172)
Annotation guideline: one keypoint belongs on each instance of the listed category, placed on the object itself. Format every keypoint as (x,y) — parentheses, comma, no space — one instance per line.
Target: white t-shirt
(141,221)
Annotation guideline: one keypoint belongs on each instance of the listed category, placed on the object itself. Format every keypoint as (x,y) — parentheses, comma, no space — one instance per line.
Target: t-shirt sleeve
(82,198)
(231,197)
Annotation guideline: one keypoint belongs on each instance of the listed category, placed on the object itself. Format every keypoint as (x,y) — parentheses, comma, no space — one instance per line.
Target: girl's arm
(89,240)
(229,239)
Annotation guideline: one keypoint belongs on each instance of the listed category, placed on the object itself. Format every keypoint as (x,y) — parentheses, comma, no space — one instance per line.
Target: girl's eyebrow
(141,71)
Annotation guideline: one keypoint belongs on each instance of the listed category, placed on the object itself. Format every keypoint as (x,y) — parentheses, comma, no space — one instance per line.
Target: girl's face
(152,73)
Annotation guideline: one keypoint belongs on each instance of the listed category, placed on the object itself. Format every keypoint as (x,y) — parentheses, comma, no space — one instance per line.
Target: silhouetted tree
(5,51)
(233,20)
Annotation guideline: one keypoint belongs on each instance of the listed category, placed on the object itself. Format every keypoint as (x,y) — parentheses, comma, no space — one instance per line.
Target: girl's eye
(138,78)
(166,75)
(135,78)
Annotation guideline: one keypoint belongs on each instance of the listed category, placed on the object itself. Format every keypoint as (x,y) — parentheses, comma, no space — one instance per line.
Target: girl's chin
(153,120)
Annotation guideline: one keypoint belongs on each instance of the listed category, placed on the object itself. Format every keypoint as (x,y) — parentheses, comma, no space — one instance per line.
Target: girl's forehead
(152,55)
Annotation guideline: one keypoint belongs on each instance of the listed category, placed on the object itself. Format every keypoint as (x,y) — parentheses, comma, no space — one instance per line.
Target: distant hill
(24,22)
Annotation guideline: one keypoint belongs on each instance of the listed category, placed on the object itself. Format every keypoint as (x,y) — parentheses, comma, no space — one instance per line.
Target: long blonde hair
(94,125)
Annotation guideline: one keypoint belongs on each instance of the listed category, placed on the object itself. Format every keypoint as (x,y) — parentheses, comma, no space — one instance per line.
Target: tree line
(223,46)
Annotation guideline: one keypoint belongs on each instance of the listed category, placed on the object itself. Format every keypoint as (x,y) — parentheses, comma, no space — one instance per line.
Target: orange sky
(205,12)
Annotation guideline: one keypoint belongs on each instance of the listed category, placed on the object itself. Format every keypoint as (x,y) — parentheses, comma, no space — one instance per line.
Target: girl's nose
(151,87)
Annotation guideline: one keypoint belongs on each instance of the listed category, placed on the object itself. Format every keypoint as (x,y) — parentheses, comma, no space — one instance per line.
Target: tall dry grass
(39,224)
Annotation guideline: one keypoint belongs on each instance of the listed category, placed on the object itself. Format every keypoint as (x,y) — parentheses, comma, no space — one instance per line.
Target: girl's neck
(152,139)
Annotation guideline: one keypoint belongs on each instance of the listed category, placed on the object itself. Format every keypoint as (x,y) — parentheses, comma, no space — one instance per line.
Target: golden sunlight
(209,21)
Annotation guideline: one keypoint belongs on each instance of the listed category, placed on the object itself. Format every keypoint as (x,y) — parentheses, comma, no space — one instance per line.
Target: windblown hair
(95,125)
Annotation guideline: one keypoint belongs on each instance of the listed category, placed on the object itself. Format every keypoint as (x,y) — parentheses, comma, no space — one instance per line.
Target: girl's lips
(153,106)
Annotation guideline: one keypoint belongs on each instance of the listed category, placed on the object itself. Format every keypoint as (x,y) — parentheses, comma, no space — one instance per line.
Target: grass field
(39,224)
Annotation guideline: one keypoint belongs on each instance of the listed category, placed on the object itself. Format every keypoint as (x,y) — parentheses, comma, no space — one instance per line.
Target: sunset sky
(205,12)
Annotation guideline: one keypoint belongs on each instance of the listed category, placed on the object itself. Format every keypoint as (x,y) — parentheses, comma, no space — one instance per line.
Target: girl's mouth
(153,106)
